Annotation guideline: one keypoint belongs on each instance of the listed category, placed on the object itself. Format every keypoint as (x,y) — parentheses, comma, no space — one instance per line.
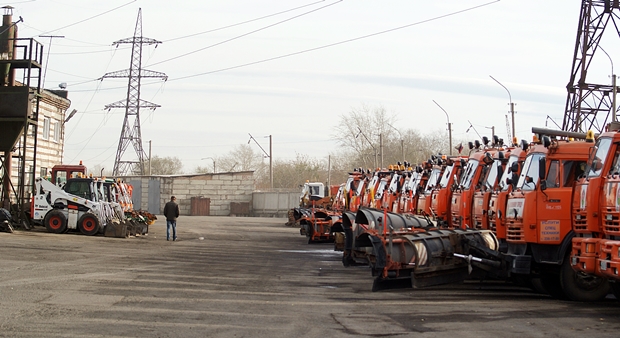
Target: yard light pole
(402,142)
(373,147)
(449,126)
(512,108)
(212,159)
(270,155)
(615,89)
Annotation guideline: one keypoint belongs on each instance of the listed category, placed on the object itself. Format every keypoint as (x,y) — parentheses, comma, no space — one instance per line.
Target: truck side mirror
(541,168)
(514,167)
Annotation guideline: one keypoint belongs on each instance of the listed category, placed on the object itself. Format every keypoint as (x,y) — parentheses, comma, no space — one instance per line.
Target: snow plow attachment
(431,257)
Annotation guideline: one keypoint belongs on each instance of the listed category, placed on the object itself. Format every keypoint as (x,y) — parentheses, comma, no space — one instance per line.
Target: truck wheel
(55,222)
(551,283)
(88,224)
(582,287)
(615,289)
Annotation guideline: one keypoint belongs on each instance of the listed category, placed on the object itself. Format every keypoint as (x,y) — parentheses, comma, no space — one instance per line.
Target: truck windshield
(432,180)
(380,190)
(394,183)
(492,173)
(445,178)
(414,181)
(468,173)
(360,188)
(503,185)
(529,174)
(598,157)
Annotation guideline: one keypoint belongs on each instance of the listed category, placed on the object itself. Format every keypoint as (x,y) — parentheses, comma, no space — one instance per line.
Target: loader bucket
(114,229)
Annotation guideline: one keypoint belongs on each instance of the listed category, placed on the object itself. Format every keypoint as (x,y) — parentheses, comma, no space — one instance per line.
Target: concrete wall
(273,204)
(221,188)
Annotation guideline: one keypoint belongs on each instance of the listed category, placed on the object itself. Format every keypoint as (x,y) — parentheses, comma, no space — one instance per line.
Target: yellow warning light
(535,138)
(589,136)
(515,140)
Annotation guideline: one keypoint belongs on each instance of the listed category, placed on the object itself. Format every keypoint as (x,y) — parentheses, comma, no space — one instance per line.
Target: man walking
(171,211)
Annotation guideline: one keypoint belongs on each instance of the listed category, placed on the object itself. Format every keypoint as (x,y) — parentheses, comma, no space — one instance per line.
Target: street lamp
(373,147)
(402,142)
(449,126)
(613,83)
(512,108)
(270,155)
(212,159)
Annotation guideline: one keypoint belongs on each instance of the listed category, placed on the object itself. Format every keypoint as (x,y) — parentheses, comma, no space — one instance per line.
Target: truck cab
(538,218)
(497,202)
(441,196)
(596,213)
(489,185)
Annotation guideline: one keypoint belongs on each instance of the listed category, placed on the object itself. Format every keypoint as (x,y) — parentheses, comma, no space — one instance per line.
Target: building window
(46,128)
(43,172)
(57,131)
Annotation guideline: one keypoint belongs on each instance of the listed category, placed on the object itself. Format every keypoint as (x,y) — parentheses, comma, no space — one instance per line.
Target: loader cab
(62,172)
(82,187)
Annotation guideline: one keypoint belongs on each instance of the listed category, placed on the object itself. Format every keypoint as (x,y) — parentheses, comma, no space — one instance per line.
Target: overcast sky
(445,53)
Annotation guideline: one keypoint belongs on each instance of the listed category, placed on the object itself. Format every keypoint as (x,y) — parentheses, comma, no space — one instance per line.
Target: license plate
(573,260)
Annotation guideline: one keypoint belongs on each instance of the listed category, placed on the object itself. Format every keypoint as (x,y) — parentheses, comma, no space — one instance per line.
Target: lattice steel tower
(131,134)
(588,105)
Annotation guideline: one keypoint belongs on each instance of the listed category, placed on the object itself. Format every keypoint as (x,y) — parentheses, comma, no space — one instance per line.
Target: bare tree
(168,165)
(361,130)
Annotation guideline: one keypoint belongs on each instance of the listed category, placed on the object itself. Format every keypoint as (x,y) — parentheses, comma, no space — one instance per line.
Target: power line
(243,22)
(245,34)
(336,43)
(307,50)
(90,18)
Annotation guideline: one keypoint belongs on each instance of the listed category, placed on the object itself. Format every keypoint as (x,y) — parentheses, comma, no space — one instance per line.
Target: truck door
(554,202)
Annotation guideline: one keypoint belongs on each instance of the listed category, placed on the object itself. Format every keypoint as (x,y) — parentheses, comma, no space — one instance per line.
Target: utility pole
(150,166)
(48,54)
(270,163)
(512,108)
(381,148)
(329,173)
(268,155)
(449,126)
(131,133)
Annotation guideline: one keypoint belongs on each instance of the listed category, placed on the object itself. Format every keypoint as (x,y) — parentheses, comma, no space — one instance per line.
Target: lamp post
(615,89)
(449,126)
(512,107)
(212,159)
(373,147)
(402,142)
(270,155)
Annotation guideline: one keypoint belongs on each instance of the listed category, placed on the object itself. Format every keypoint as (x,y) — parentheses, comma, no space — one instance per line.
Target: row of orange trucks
(543,214)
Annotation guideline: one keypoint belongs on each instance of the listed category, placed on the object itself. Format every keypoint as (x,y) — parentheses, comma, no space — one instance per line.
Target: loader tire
(581,287)
(89,224)
(55,222)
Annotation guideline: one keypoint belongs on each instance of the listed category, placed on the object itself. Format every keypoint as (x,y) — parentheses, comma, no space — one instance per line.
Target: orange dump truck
(538,217)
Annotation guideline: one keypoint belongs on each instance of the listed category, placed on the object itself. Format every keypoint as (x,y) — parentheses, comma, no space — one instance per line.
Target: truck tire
(55,222)
(615,289)
(551,284)
(89,224)
(582,287)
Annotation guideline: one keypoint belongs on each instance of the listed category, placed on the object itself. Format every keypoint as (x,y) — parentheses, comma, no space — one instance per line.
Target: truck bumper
(584,254)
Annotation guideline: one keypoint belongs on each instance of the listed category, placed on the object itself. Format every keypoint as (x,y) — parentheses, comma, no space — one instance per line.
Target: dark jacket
(171,211)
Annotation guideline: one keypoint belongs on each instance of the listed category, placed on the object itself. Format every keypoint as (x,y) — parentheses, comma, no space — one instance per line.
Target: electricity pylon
(131,134)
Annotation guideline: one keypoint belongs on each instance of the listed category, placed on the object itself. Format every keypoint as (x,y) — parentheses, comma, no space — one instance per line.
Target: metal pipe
(553,132)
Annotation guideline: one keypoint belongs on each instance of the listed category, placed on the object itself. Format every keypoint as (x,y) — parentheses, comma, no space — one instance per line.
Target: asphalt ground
(251,277)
